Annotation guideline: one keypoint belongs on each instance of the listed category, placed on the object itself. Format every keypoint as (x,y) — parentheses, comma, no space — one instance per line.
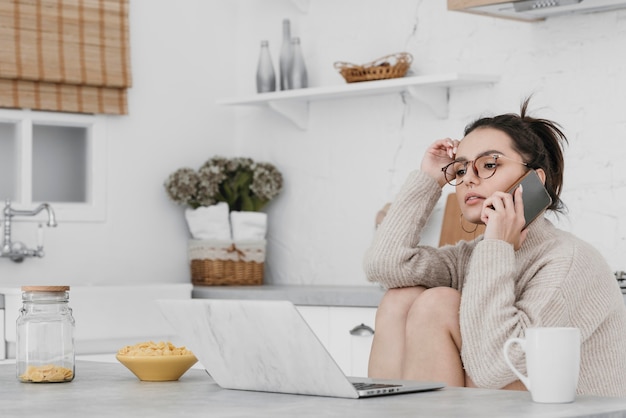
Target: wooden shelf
(432,90)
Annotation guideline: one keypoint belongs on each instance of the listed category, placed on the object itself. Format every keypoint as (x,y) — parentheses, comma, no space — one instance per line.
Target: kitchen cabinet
(533,10)
(432,90)
(494,8)
(346,332)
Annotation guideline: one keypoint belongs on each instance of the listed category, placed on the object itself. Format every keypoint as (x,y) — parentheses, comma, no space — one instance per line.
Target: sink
(107,317)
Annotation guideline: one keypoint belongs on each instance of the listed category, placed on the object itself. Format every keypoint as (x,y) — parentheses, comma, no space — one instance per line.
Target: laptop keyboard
(367,386)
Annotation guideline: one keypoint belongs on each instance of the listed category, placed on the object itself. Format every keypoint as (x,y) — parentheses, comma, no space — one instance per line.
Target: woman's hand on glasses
(503,214)
(439,154)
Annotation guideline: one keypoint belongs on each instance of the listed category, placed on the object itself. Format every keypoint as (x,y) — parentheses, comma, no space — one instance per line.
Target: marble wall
(357,151)
(188,54)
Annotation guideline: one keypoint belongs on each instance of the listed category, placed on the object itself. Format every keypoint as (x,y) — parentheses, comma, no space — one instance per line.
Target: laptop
(267,346)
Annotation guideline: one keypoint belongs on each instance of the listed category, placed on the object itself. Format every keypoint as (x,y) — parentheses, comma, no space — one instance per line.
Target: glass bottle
(285,56)
(45,335)
(298,78)
(265,76)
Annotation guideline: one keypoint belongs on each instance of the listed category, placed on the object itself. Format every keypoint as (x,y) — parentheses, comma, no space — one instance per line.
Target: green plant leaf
(247,203)
(243,180)
(230,195)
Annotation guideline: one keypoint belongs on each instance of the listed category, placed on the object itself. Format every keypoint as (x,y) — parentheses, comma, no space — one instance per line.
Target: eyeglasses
(484,167)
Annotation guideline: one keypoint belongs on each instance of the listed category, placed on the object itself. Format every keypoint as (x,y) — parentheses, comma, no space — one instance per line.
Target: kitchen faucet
(17,251)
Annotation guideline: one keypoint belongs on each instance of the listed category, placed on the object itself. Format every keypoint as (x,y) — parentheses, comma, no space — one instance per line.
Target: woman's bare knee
(437,304)
(397,302)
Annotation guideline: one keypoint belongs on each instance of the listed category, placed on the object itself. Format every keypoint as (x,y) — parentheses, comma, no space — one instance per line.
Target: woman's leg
(433,338)
(387,355)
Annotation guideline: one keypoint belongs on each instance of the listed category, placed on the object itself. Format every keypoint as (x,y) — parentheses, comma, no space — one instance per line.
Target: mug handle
(525,380)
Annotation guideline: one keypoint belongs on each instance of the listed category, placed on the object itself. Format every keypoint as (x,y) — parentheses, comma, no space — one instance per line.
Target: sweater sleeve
(395,258)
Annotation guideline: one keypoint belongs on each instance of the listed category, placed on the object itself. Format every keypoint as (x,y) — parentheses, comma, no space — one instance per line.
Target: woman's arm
(395,258)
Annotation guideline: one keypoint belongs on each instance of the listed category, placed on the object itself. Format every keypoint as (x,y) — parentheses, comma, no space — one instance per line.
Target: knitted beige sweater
(554,279)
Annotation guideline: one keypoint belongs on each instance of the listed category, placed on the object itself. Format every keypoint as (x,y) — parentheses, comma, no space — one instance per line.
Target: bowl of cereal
(156,362)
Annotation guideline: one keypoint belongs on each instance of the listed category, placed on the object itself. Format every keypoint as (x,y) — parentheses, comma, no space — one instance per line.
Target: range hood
(533,10)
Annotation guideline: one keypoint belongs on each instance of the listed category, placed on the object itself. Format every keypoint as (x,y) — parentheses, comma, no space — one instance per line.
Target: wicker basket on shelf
(389,66)
(224,263)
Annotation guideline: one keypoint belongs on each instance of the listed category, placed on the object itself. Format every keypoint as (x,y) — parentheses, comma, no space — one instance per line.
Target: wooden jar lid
(45,288)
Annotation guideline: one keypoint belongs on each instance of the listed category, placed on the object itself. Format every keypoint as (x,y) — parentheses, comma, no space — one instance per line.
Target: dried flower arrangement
(244,184)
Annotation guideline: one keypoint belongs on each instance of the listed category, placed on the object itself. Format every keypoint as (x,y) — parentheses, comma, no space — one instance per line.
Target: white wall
(181,55)
(356,153)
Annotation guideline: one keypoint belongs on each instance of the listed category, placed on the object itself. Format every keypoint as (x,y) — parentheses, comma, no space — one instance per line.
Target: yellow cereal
(150,348)
(47,373)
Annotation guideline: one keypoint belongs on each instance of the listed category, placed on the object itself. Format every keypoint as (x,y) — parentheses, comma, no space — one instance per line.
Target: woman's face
(474,190)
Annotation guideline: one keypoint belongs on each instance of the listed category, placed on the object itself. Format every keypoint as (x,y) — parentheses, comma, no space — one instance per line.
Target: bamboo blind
(65,55)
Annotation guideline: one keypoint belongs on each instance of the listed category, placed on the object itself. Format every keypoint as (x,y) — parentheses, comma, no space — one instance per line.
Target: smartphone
(536,198)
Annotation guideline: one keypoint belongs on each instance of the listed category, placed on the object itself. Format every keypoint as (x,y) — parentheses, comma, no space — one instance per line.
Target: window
(59,163)
(57,158)
(66,56)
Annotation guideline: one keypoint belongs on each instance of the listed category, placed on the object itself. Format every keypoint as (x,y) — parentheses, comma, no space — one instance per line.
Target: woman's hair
(538,141)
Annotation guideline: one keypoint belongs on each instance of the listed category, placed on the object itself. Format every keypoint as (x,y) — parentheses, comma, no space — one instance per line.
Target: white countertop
(106,389)
(312,295)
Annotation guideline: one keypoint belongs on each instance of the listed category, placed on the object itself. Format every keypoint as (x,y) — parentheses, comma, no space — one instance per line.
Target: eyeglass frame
(473,165)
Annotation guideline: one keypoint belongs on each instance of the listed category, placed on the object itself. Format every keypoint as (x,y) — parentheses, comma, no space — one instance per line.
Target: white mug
(552,363)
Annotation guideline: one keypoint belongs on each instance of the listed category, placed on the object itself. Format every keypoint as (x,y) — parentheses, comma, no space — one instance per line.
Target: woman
(449,310)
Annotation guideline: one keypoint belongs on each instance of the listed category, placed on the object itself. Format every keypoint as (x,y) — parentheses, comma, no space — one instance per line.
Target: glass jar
(45,335)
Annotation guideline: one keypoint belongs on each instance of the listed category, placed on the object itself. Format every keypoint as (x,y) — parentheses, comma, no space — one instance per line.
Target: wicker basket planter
(226,263)
(389,66)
